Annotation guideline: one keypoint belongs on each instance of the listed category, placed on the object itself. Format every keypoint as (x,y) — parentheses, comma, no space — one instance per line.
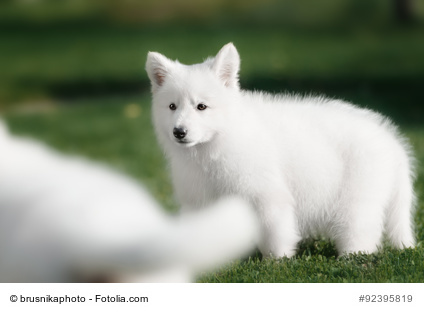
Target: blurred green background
(367,51)
(77,66)
(72,75)
(72,71)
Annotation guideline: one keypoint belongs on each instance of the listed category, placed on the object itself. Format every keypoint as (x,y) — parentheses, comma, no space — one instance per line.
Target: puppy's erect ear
(157,68)
(227,65)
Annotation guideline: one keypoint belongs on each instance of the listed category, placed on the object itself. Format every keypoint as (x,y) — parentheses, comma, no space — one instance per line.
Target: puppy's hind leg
(361,230)
(399,215)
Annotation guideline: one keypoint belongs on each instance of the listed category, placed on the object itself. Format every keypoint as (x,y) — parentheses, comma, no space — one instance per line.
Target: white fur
(65,219)
(311,166)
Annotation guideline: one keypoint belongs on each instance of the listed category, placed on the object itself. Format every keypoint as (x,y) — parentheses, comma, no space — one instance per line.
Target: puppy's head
(189,100)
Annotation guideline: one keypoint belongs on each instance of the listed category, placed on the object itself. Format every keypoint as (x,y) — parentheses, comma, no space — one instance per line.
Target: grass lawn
(118,131)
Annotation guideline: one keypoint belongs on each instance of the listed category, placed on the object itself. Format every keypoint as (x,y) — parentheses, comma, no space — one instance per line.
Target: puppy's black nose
(180,132)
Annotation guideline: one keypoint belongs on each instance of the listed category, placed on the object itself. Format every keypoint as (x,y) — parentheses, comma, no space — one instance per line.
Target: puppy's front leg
(279,228)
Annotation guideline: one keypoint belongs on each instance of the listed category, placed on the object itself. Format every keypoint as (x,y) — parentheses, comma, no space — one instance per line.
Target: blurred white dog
(65,219)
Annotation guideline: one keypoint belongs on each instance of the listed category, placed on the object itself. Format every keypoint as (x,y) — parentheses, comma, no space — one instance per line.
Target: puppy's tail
(225,231)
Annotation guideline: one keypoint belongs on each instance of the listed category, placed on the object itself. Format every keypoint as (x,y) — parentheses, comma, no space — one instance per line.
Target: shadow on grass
(312,247)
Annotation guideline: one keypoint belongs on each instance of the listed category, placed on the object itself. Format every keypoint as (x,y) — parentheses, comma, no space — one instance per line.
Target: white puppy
(311,166)
(65,219)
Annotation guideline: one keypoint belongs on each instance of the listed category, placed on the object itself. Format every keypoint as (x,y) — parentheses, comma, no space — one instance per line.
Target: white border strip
(211,297)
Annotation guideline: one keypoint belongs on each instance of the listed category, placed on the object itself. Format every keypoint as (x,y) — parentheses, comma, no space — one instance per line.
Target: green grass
(118,131)
(388,266)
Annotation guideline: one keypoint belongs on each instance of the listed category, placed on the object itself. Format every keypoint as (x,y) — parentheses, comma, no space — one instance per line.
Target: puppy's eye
(201,106)
(172,106)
